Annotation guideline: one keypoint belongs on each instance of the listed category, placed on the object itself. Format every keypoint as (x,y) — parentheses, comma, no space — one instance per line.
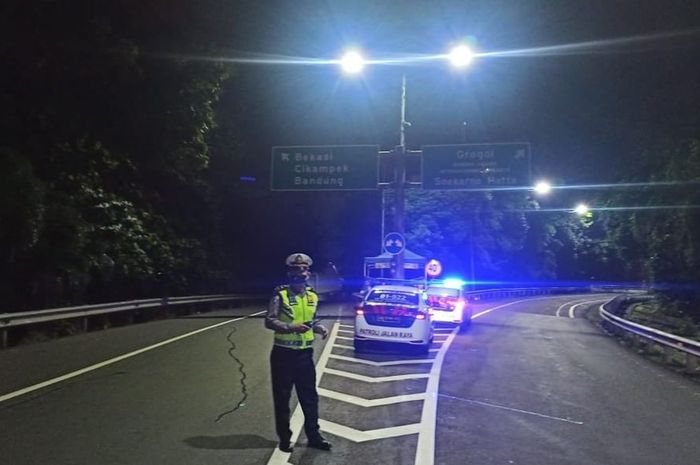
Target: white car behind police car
(393,314)
(448,304)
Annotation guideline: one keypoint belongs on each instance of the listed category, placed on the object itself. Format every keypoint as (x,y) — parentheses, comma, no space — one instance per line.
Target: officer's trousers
(294,368)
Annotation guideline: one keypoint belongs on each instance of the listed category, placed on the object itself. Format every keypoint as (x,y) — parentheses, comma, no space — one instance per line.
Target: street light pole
(352,62)
(400,181)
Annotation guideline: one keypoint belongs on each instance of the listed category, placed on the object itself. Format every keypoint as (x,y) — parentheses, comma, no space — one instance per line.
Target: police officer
(292,316)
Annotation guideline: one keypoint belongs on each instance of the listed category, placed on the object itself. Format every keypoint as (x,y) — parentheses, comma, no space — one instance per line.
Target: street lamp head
(581,209)
(461,56)
(543,188)
(352,62)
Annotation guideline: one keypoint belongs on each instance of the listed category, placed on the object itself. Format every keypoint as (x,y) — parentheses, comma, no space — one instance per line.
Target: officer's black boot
(319,442)
(286,446)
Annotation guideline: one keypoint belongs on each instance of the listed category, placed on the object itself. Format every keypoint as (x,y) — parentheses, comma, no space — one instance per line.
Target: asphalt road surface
(531,382)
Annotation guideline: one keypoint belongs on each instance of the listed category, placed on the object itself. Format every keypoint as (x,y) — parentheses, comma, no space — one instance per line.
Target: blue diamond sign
(394,243)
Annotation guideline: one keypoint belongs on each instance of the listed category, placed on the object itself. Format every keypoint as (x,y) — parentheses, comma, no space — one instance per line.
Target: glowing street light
(461,56)
(581,209)
(543,188)
(352,62)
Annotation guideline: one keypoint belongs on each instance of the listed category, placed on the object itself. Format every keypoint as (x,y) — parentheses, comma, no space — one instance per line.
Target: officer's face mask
(298,277)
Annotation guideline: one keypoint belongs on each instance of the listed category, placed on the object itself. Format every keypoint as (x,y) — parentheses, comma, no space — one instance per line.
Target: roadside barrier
(10,321)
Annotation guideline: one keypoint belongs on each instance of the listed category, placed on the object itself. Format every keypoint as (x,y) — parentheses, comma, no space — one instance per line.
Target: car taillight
(420,316)
(359,311)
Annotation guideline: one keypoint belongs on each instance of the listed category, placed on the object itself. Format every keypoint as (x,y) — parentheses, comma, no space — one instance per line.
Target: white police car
(393,314)
(448,304)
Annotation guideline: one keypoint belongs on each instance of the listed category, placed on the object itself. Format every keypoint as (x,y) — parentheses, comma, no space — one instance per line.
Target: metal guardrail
(13,320)
(671,341)
(487,294)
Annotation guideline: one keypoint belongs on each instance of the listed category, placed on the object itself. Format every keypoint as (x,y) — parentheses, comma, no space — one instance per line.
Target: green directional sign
(325,168)
(476,166)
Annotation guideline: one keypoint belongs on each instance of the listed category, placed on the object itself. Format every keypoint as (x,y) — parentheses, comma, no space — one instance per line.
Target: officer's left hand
(324,332)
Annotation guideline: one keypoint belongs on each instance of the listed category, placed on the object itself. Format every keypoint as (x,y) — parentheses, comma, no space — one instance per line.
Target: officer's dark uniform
(291,359)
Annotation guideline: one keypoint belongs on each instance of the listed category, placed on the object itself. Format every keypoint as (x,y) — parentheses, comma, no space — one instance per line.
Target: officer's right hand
(299,328)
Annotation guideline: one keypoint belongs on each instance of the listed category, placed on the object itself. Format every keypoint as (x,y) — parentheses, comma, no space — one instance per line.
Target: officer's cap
(299,260)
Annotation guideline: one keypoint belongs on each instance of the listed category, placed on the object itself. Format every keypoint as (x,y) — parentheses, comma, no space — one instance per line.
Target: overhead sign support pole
(400,180)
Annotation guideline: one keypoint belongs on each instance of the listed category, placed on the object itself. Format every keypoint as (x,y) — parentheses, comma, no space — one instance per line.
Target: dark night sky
(577,110)
(585,114)
(587,111)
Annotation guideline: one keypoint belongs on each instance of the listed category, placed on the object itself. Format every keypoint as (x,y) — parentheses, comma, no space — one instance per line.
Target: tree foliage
(105,157)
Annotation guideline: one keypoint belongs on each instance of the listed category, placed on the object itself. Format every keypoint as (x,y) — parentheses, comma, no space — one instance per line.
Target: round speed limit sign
(433,268)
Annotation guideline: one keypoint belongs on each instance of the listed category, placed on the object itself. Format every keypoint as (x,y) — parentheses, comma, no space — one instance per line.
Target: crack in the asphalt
(241,369)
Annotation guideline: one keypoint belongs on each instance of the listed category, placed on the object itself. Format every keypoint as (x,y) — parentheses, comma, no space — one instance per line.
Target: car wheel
(423,350)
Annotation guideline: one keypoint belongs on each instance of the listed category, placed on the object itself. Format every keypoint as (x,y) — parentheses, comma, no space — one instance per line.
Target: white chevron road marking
(381,364)
(375,379)
(362,402)
(370,435)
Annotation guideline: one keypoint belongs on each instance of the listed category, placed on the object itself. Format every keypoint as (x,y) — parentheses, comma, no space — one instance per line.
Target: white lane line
(426,442)
(590,302)
(346,331)
(297,421)
(372,379)
(344,338)
(572,309)
(561,307)
(341,325)
(425,450)
(381,364)
(363,436)
(489,310)
(527,412)
(362,402)
(111,361)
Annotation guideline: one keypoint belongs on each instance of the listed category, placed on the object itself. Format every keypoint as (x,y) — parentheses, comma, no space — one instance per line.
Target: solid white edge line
(425,450)
(297,420)
(561,307)
(426,445)
(489,310)
(590,302)
(111,361)
(572,309)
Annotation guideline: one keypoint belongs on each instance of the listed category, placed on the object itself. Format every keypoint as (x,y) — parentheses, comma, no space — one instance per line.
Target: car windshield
(442,297)
(442,292)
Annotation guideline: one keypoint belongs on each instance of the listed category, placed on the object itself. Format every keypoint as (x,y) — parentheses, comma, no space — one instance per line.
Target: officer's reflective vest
(296,309)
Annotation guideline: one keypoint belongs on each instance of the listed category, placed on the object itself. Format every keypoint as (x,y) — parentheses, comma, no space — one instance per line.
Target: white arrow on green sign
(476,166)
(325,168)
